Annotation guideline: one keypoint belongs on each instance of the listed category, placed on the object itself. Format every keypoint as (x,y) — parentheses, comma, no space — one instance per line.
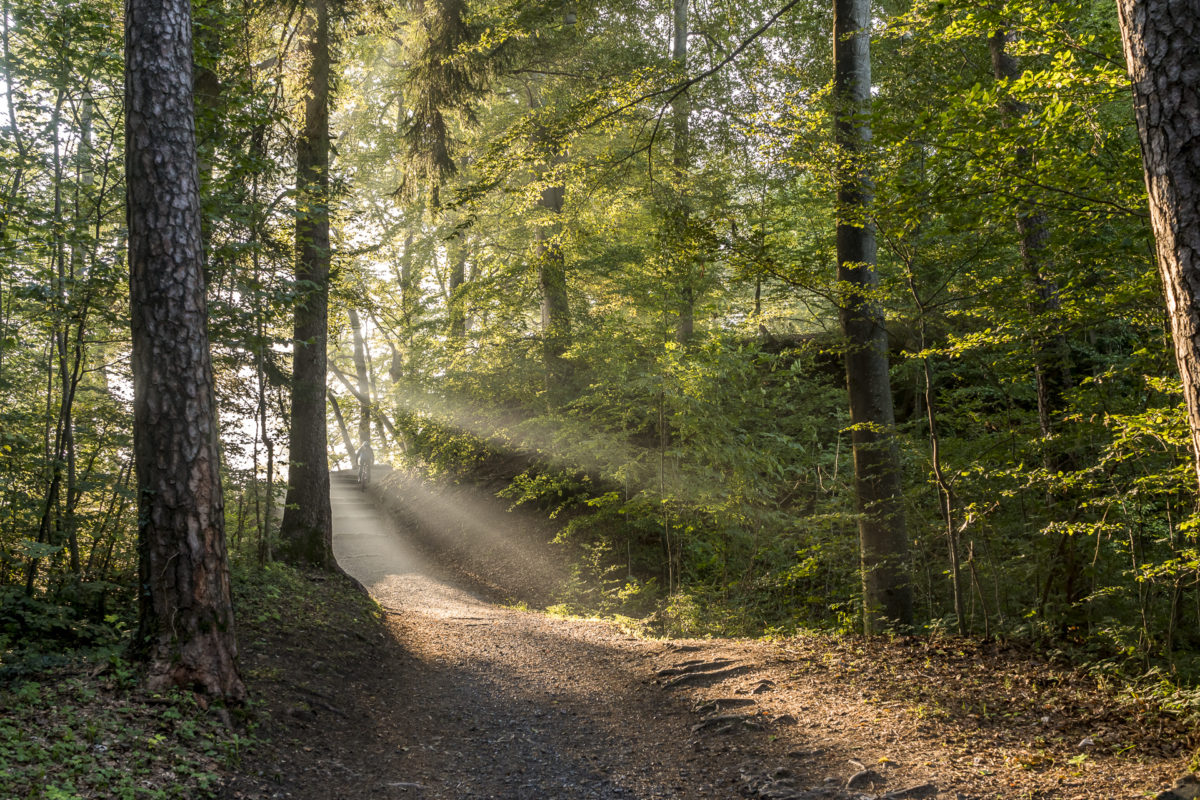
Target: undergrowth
(716,579)
(85,730)
(75,721)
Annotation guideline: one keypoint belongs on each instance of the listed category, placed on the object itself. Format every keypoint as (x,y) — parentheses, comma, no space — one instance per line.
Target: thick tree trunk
(405,279)
(186,619)
(307,527)
(883,539)
(1162,50)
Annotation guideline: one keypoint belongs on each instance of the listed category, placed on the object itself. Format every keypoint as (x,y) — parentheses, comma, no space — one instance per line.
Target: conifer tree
(185,628)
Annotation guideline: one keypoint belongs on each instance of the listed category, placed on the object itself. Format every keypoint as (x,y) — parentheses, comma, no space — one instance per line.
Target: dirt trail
(510,704)
(468,699)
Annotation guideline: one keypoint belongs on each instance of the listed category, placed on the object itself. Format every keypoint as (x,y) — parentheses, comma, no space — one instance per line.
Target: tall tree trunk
(552,278)
(10,88)
(307,527)
(185,629)
(50,528)
(85,185)
(405,277)
(883,539)
(364,381)
(1162,50)
(263,523)
(1051,352)
(454,300)
(551,263)
(685,322)
(208,23)
(1052,369)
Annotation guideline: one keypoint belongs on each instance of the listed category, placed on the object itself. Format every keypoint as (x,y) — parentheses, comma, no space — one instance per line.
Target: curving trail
(504,703)
(461,697)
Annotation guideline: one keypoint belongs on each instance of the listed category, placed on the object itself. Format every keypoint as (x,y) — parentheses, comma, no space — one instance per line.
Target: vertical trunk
(458,277)
(551,263)
(307,528)
(1162,49)
(207,84)
(1051,352)
(14,185)
(364,383)
(83,195)
(206,89)
(1052,370)
(263,526)
(264,543)
(680,107)
(945,491)
(186,617)
(50,527)
(685,322)
(262,523)
(348,442)
(883,540)
(407,282)
(552,280)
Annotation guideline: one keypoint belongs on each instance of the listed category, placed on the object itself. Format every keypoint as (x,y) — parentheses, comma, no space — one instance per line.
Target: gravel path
(461,697)
(505,703)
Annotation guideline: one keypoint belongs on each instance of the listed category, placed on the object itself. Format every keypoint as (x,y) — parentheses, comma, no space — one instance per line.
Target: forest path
(498,702)
(458,696)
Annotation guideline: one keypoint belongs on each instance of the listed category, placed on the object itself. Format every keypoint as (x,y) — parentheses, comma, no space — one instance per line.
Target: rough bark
(883,539)
(407,281)
(307,527)
(185,627)
(1162,50)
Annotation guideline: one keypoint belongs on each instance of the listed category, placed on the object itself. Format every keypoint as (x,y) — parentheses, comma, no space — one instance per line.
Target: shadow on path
(495,702)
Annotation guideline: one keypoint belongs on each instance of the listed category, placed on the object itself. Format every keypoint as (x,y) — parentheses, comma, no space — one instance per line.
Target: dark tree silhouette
(307,527)
(186,629)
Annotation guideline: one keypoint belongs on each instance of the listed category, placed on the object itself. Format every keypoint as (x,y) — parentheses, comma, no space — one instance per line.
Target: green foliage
(82,731)
(704,485)
(707,486)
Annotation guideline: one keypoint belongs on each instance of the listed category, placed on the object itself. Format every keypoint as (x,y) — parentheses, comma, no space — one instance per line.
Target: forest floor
(456,691)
